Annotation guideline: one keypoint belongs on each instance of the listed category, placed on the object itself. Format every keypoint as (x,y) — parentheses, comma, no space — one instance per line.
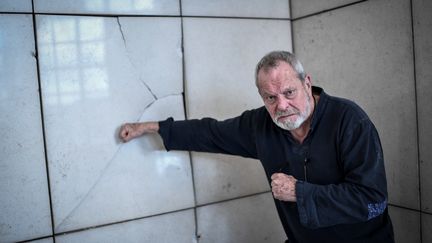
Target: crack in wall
(71,213)
(131,61)
(169,95)
(108,165)
(105,169)
(121,31)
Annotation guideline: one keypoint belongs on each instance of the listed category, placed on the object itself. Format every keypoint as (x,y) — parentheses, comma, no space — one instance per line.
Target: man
(322,154)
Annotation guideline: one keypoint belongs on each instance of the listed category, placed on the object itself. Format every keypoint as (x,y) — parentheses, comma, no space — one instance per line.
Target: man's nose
(283,104)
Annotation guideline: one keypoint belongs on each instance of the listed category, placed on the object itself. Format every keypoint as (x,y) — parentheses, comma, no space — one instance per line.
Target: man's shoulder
(337,104)
(255,113)
(255,118)
(346,106)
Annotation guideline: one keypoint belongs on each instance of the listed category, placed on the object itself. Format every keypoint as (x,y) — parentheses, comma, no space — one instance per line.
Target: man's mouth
(285,116)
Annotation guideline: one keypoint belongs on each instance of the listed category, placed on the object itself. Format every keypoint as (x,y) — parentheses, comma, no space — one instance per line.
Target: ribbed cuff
(301,202)
(165,131)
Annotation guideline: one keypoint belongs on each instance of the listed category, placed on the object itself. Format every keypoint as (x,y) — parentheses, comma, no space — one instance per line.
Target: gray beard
(292,125)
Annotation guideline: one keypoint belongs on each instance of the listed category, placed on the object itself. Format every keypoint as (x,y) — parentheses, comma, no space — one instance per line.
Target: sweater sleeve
(360,196)
(233,136)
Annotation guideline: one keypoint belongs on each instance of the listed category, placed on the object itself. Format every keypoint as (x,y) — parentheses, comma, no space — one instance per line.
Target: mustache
(287,112)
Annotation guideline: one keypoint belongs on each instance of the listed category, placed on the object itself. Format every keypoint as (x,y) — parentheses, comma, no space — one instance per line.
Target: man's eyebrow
(290,88)
(265,93)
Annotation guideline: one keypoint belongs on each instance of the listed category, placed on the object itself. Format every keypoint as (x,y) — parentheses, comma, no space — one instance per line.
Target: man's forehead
(282,71)
(280,66)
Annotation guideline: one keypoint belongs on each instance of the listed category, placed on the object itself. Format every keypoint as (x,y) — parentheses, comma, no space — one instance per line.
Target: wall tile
(423,54)
(219,177)
(302,8)
(24,200)
(250,219)
(220,59)
(173,227)
(355,52)
(237,8)
(151,42)
(16,6)
(159,7)
(426,226)
(406,224)
(46,240)
(91,84)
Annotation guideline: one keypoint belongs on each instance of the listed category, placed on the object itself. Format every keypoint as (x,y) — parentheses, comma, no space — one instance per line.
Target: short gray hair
(273,58)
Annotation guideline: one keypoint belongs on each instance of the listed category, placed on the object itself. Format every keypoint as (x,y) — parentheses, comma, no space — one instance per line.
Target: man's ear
(308,81)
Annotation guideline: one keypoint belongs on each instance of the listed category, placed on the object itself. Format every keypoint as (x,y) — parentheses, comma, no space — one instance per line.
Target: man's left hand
(283,187)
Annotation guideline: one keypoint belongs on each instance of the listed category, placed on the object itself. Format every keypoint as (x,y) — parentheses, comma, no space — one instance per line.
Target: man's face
(287,99)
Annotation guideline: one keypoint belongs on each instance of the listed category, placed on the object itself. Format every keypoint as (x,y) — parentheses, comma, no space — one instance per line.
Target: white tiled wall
(224,52)
(148,7)
(45,240)
(240,220)
(302,8)
(16,6)
(426,226)
(405,224)
(236,8)
(179,225)
(102,63)
(423,55)
(24,200)
(96,76)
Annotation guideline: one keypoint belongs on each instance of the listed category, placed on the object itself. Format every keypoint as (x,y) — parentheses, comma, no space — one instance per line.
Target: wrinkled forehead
(265,67)
(277,73)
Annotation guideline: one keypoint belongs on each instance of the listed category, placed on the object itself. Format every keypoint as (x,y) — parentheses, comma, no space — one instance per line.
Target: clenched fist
(130,131)
(283,187)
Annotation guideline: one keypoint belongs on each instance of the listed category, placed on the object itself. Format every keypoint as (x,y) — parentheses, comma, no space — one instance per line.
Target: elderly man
(322,154)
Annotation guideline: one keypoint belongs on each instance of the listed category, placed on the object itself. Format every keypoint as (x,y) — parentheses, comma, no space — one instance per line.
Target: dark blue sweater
(341,189)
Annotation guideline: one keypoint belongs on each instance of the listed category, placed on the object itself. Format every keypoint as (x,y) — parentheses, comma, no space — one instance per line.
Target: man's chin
(285,126)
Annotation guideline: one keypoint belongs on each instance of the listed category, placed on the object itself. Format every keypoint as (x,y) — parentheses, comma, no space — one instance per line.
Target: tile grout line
(231,17)
(147,217)
(233,198)
(107,224)
(151,15)
(417,120)
(196,236)
(327,10)
(23,12)
(36,56)
(291,26)
(409,209)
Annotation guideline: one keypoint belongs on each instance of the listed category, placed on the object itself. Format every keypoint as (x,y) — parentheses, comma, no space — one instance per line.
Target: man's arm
(233,136)
(361,196)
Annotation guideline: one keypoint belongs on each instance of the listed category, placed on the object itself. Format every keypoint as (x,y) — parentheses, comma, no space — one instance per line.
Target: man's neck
(300,133)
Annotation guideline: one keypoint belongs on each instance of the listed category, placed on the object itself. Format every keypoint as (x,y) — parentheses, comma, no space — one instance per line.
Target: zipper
(306,160)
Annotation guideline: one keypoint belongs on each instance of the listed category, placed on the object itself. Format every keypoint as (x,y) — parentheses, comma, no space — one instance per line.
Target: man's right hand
(129,131)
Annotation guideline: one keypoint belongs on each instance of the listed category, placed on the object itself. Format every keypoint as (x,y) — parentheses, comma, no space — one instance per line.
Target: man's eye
(270,99)
(290,93)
